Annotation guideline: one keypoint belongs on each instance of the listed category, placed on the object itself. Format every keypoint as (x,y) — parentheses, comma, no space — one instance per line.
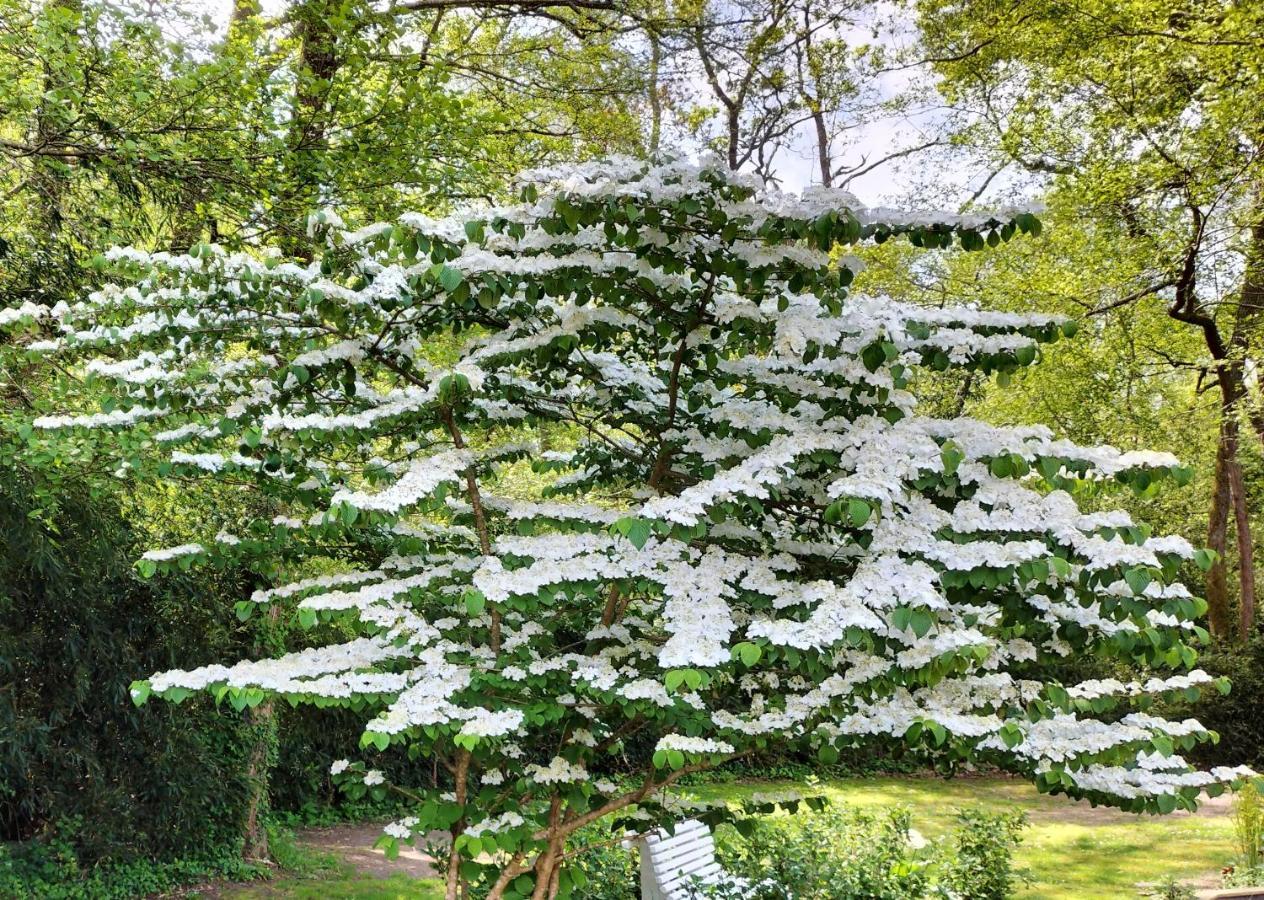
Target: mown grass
(1070,851)
(347,887)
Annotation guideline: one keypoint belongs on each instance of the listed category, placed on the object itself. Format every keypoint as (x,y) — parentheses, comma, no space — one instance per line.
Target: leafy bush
(51,869)
(839,853)
(609,872)
(85,775)
(1248,826)
(1237,716)
(982,864)
(836,852)
(1170,889)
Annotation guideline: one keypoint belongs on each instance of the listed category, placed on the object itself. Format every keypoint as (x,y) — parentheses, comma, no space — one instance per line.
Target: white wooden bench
(671,862)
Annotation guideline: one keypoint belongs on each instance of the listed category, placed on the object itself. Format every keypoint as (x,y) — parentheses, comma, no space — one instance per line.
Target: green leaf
(639,532)
(244,609)
(1012,735)
(306,617)
(873,356)
(450,279)
(858,511)
(140,692)
(748,653)
(475,603)
(921,621)
(1138,580)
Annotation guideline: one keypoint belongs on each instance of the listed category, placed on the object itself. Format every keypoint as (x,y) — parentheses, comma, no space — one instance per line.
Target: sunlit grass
(1071,851)
(363,887)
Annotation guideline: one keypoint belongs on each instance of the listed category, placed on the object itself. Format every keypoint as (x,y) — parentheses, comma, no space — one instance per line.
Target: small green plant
(982,866)
(607,871)
(295,859)
(1248,825)
(1170,889)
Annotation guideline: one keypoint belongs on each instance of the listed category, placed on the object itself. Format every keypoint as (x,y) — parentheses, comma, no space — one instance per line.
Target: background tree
(1145,117)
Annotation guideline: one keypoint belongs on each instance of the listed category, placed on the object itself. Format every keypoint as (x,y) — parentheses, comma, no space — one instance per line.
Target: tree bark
(656,100)
(1242,531)
(452,881)
(262,722)
(1219,618)
(319,62)
(48,180)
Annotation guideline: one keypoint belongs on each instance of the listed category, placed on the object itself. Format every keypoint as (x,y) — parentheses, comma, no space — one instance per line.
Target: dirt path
(353,844)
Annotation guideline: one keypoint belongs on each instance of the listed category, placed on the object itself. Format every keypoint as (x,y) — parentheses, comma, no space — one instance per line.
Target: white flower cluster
(559,770)
(756,484)
(696,745)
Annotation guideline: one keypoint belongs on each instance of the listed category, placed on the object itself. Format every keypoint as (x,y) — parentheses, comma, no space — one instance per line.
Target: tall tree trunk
(1250,306)
(62,19)
(1232,375)
(261,720)
(656,100)
(822,146)
(1242,531)
(1219,618)
(319,61)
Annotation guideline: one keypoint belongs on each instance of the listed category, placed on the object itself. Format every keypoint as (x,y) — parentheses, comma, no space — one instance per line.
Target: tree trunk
(656,100)
(822,146)
(262,723)
(1218,602)
(48,179)
(1231,373)
(452,880)
(319,61)
(1242,530)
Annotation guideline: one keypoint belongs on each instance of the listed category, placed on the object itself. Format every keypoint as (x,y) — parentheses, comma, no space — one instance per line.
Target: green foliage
(1170,889)
(51,870)
(982,863)
(1248,826)
(1235,716)
(839,852)
(610,871)
(75,626)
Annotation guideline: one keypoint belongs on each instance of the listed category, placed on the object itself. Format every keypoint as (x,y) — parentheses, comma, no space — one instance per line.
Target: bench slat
(670,862)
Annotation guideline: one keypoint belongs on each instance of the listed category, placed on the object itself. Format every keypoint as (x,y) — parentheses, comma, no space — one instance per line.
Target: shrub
(1237,716)
(839,853)
(1248,826)
(85,775)
(982,864)
(609,872)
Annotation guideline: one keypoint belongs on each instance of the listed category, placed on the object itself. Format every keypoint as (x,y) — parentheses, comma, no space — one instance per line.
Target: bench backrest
(670,861)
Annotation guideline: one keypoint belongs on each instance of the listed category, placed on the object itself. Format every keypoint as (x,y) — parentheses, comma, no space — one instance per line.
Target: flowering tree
(750,538)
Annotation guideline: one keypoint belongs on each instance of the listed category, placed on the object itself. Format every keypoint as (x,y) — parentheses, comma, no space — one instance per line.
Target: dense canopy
(736,528)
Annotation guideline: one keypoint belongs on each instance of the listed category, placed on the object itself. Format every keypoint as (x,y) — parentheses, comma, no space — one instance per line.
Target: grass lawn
(1071,851)
(345,885)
